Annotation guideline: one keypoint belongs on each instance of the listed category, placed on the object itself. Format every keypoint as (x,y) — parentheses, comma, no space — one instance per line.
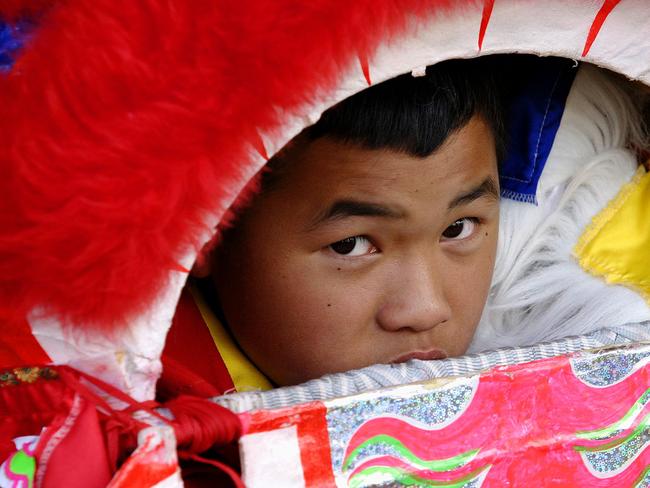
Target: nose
(416,299)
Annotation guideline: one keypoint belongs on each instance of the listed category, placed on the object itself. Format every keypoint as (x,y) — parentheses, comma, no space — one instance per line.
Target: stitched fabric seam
(56,439)
(539,136)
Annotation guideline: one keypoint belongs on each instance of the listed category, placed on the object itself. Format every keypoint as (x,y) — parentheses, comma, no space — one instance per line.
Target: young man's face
(358,256)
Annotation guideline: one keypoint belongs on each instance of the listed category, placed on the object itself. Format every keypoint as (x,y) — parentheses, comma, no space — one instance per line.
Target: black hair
(412,115)
(415,115)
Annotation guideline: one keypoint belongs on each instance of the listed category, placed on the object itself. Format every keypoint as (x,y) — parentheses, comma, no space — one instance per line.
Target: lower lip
(423,355)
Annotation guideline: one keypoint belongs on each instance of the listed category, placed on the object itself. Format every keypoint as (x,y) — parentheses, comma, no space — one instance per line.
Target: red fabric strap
(199,424)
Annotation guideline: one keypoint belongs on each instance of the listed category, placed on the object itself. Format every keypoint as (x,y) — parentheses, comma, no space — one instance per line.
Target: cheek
(469,284)
(299,319)
(313,300)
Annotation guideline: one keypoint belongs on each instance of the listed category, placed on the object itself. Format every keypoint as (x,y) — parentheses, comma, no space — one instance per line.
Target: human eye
(461,229)
(353,246)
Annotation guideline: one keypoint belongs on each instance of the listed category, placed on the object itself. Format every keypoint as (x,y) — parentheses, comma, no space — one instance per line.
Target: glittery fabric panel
(608,369)
(614,460)
(426,408)
(613,430)
(582,420)
(475,483)
(644,479)
(378,477)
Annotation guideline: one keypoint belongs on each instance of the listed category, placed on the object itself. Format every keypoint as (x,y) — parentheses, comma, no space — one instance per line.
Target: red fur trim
(125,121)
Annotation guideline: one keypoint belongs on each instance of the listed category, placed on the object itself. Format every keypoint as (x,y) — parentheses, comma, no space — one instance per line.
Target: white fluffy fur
(539,292)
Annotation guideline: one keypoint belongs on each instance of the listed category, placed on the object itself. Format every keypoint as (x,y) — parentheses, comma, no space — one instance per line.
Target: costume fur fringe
(539,292)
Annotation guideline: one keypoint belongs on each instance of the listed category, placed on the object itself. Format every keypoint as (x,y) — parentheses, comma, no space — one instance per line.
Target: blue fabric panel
(12,38)
(535,104)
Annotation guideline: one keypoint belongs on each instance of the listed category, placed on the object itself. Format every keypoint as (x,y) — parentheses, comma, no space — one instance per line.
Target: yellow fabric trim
(245,376)
(616,245)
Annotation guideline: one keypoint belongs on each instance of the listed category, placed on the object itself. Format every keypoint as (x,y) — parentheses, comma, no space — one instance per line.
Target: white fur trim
(539,293)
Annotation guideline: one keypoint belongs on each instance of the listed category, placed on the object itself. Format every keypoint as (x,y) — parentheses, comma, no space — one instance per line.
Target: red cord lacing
(199,424)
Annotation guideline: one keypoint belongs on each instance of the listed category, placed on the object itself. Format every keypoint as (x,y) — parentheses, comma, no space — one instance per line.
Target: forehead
(326,167)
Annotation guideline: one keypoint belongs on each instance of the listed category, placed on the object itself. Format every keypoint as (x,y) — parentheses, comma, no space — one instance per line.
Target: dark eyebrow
(341,209)
(488,188)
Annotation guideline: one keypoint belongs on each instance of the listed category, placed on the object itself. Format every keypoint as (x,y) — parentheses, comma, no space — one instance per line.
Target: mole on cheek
(329,304)
(338,269)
